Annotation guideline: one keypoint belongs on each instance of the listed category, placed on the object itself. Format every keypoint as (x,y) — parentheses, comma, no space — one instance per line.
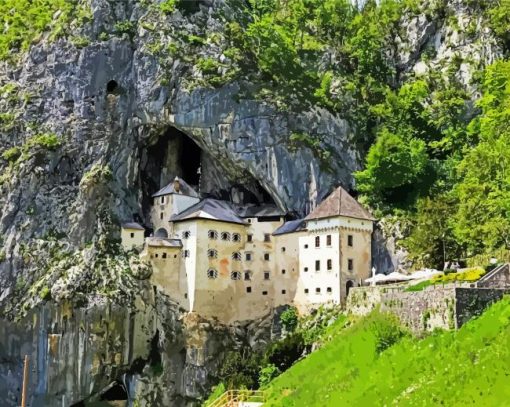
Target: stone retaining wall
(445,307)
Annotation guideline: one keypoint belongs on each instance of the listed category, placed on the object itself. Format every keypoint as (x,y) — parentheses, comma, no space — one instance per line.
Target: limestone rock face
(150,351)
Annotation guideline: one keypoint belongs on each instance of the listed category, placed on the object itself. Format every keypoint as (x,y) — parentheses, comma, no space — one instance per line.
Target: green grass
(470,366)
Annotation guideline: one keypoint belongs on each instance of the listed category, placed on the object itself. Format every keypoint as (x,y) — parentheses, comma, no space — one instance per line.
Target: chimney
(177,185)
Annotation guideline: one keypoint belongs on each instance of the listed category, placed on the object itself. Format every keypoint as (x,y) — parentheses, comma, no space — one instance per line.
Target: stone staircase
(497,278)
(240,398)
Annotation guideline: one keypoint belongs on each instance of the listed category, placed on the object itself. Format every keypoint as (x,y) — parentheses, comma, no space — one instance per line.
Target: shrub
(125,27)
(11,154)
(45,293)
(289,319)
(284,353)
(208,65)
(46,141)
(240,369)
(167,6)
(268,373)
(387,332)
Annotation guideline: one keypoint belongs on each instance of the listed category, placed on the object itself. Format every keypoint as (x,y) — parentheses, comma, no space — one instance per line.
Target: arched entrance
(161,232)
(348,287)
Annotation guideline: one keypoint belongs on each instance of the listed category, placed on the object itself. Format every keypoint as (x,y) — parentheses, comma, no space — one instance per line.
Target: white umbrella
(396,276)
(376,279)
(426,273)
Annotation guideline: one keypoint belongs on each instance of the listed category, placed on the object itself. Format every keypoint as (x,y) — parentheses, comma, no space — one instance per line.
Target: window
(267,237)
(175,256)
(247,276)
(185,295)
(249,238)
(283,291)
(317,241)
(328,240)
(329,290)
(236,256)
(249,220)
(162,199)
(186,234)
(156,255)
(225,236)
(317,265)
(185,253)
(350,264)
(306,269)
(163,255)
(283,271)
(236,237)
(161,216)
(330,264)
(306,290)
(248,256)
(212,273)
(349,240)
(235,275)
(306,246)
(318,290)
(248,289)
(266,275)
(212,253)
(132,235)
(264,292)
(266,256)
(283,249)
(212,234)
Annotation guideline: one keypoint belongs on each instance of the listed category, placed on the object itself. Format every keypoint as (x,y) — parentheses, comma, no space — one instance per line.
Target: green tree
(393,170)
(483,218)
(432,241)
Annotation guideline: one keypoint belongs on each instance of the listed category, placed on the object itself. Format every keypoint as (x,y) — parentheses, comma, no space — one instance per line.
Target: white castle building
(237,262)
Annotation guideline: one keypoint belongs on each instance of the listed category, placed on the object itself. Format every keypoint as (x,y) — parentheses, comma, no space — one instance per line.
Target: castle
(237,262)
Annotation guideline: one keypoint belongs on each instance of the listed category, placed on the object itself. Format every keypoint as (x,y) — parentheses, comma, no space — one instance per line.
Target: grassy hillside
(373,363)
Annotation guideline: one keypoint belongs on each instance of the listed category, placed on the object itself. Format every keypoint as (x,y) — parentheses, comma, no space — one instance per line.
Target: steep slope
(368,364)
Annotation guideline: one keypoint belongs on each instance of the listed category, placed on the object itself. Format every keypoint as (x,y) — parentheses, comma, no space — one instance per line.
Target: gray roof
(132,225)
(258,211)
(212,209)
(290,227)
(162,242)
(185,189)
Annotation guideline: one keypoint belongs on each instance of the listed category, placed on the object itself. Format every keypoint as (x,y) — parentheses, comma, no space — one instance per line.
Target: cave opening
(173,153)
(111,87)
(116,392)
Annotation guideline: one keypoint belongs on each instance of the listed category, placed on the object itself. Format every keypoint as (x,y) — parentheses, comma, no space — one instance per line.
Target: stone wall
(444,307)
(471,302)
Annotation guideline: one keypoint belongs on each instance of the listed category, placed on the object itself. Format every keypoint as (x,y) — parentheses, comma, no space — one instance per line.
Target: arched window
(186,234)
(212,253)
(225,236)
(213,235)
(235,275)
(236,256)
(212,273)
(236,237)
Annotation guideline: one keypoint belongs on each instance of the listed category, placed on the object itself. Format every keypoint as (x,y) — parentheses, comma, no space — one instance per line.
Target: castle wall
(131,238)
(287,259)
(168,272)
(444,307)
